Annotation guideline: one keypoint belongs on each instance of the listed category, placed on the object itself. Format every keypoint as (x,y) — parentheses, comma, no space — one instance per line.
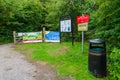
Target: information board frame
(69,20)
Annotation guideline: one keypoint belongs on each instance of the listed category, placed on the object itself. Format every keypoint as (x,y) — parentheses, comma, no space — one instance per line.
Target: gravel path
(14,66)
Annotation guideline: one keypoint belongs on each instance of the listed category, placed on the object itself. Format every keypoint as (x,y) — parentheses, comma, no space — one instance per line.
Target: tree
(105,22)
(20,16)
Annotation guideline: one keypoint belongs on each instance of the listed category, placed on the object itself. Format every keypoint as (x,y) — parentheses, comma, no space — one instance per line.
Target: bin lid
(97,41)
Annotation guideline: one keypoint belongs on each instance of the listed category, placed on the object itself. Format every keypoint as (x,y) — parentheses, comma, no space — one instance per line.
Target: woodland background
(33,15)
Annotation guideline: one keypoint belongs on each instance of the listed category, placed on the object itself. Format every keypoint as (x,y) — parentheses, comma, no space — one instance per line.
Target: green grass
(67,59)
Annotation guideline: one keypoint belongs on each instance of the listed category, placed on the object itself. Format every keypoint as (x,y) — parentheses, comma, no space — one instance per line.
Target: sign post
(14,36)
(43,34)
(82,41)
(82,22)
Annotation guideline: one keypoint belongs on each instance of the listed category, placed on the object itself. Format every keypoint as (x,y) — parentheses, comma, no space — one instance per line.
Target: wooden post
(43,34)
(14,36)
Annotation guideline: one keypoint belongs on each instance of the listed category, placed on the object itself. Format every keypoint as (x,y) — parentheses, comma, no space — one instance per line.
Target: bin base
(97,65)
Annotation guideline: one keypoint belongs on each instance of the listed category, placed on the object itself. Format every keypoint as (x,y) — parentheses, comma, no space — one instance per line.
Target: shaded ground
(14,66)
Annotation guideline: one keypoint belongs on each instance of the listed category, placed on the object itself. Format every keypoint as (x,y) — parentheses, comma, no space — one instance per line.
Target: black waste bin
(97,58)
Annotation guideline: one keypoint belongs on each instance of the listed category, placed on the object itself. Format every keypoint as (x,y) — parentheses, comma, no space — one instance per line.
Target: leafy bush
(114,63)
(105,24)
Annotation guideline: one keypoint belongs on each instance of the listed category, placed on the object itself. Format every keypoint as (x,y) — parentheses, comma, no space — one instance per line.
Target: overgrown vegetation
(113,67)
(20,15)
(105,22)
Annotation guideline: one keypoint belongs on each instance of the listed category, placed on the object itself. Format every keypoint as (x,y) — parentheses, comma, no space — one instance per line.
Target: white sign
(65,26)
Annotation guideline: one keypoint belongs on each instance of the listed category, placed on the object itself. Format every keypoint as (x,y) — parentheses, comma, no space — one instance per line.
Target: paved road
(14,66)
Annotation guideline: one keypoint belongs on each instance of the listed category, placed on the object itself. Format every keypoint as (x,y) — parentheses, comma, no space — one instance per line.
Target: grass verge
(68,60)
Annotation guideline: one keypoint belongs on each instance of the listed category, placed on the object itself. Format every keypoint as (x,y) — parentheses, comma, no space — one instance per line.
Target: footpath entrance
(14,66)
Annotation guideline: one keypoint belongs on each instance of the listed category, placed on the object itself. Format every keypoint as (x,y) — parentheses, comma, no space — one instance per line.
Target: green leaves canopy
(20,15)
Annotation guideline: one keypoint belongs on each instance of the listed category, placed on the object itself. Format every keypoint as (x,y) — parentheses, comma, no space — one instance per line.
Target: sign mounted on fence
(52,36)
(32,37)
(20,34)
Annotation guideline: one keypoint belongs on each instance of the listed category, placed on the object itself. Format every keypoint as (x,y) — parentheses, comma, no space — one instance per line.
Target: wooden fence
(41,36)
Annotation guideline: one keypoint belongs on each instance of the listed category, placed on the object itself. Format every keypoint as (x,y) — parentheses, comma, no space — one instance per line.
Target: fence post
(14,36)
(43,34)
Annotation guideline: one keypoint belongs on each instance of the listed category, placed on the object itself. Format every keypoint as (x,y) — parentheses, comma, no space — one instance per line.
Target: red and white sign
(82,19)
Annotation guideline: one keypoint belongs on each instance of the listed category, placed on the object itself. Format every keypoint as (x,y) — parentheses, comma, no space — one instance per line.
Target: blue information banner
(52,36)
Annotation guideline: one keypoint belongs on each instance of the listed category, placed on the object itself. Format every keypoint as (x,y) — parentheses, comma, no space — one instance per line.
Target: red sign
(82,19)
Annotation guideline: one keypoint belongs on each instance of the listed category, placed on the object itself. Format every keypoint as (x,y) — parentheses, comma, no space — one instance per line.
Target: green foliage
(104,22)
(53,14)
(20,16)
(113,67)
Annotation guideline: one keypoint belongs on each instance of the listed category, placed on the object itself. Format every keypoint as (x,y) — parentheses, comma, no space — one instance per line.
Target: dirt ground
(15,66)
